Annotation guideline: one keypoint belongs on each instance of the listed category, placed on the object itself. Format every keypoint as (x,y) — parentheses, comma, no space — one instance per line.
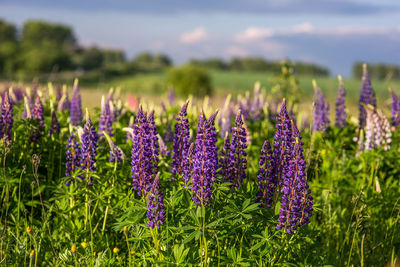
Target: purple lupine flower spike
(55,125)
(37,111)
(341,105)
(105,124)
(181,140)
(89,149)
(320,110)
(76,106)
(296,204)
(164,151)
(237,153)
(142,154)
(116,153)
(155,206)
(283,141)
(72,156)
(155,147)
(205,160)
(266,182)
(171,96)
(224,158)
(188,164)
(367,96)
(168,135)
(6,120)
(395,109)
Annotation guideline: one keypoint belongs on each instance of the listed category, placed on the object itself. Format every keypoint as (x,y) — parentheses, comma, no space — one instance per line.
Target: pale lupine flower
(377,130)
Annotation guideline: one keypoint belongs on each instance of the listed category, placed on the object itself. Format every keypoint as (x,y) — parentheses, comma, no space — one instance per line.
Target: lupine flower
(129,134)
(89,148)
(283,143)
(225,117)
(55,125)
(171,96)
(105,124)
(395,109)
(181,140)
(224,157)
(142,154)
(76,106)
(73,155)
(6,119)
(341,105)
(320,110)
(205,160)
(168,135)
(257,103)
(37,111)
(116,153)
(188,164)
(155,147)
(155,206)
(377,130)
(266,182)
(27,109)
(164,152)
(237,152)
(297,202)
(367,96)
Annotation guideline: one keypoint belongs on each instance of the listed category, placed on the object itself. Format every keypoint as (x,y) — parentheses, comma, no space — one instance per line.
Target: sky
(333,33)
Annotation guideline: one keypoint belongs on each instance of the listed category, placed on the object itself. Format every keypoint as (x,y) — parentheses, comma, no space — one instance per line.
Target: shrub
(190,79)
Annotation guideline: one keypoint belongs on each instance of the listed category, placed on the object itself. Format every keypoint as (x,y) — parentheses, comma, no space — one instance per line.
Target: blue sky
(329,32)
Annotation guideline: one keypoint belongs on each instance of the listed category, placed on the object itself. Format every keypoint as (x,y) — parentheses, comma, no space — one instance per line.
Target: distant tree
(8,47)
(146,61)
(210,63)
(46,46)
(190,79)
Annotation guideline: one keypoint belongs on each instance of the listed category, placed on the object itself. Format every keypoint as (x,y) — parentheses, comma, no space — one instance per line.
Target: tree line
(259,64)
(41,47)
(378,71)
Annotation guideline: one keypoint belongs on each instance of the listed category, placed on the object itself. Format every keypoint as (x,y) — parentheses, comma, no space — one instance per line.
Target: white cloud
(274,48)
(236,51)
(195,36)
(253,34)
(297,29)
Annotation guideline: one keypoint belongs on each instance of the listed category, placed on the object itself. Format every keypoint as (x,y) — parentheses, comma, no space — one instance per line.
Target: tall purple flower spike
(341,105)
(367,97)
(224,158)
(142,154)
(188,164)
(89,149)
(237,154)
(76,106)
(296,203)
(155,206)
(283,142)
(55,125)
(105,124)
(205,160)
(320,110)
(37,111)
(155,147)
(181,141)
(266,181)
(72,156)
(395,109)
(6,119)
